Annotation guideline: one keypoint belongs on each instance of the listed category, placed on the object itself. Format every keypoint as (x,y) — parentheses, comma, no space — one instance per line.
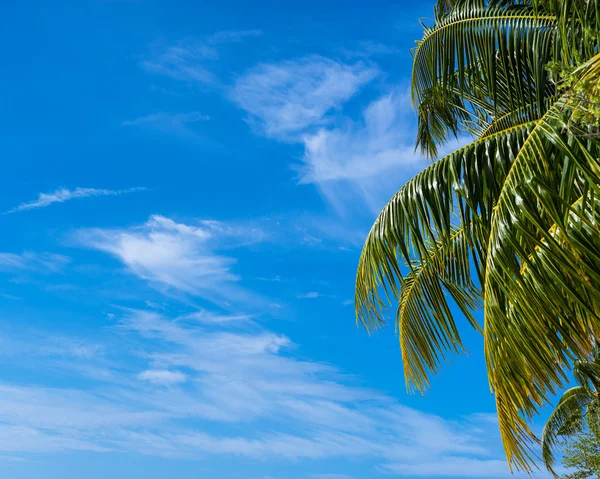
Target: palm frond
(529,112)
(424,322)
(535,323)
(520,206)
(587,374)
(566,418)
(419,219)
(513,39)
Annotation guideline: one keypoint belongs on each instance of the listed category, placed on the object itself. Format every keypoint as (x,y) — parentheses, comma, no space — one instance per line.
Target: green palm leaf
(566,419)
(542,279)
(418,221)
(516,43)
(424,322)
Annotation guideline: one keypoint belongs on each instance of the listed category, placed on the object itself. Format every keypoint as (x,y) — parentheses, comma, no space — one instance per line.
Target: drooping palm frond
(489,53)
(544,329)
(566,419)
(570,414)
(587,373)
(509,37)
(440,115)
(542,285)
(424,322)
(461,188)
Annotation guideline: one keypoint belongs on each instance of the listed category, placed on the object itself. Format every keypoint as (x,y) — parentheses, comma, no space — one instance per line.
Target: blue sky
(186,186)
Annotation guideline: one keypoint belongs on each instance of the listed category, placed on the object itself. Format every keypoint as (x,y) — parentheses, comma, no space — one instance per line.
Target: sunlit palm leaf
(461,187)
(539,317)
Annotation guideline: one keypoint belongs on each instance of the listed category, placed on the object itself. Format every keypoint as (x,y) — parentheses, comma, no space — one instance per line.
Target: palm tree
(510,222)
(574,407)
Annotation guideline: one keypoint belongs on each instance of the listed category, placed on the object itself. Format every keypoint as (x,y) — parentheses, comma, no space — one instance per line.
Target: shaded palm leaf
(515,42)
(566,419)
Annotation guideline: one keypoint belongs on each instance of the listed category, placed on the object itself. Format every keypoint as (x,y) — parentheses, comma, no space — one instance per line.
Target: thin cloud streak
(453,467)
(34,262)
(64,194)
(162,376)
(180,124)
(309,295)
(164,118)
(191,59)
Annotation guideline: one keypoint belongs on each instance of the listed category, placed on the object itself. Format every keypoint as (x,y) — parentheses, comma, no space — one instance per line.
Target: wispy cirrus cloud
(35,262)
(368,49)
(162,376)
(363,160)
(284,99)
(350,160)
(309,295)
(176,123)
(64,194)
(366,160)
(364,148)
(190,60)
(172,255)
(172,119)
(247,378)
(451,466)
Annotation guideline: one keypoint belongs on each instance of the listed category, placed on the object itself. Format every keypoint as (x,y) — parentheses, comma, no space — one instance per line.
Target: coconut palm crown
(510,222)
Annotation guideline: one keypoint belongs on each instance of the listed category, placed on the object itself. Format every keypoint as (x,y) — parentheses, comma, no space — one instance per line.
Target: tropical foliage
(578,406)
(581,457)
(509,222)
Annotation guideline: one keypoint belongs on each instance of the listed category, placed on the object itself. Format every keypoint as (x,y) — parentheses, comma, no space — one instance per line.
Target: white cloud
(162,376)
(453,467)
(207,317)
(36,262)
(20,439)
(251,376)
(273,279)
(182,63)
(366,49)
(284,99)
(169,122)
(362,149)
(350,161)
(367,160)
(190,59)
(179,256)
(63,194)
(309,295)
